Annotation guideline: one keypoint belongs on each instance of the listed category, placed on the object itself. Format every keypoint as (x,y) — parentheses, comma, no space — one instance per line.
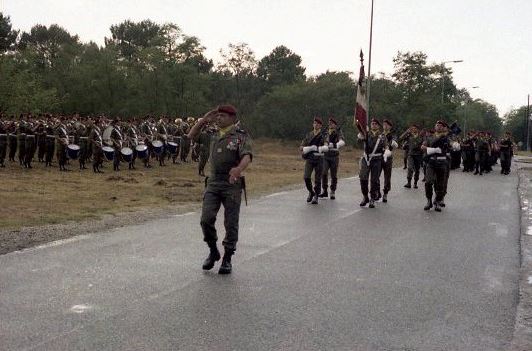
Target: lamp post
(442,75)
(465,111)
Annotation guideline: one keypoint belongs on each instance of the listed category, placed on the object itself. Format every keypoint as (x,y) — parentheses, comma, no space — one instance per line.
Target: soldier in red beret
(436,148)
(231,153)
(331,158)
(374,144)
(312,148)
(413,139)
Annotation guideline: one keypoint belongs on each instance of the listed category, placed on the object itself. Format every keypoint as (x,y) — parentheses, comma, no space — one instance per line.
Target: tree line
(149,68)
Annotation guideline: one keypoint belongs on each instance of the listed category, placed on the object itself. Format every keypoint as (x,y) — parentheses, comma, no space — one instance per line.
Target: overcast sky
(493,37)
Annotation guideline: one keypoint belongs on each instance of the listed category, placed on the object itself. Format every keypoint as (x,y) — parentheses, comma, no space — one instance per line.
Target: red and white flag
(361,109)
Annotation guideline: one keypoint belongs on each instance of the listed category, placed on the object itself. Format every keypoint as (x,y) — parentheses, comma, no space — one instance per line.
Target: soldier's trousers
(21,146)
(387,170)
(480,161)
(30,150)
(203,158)
(317,167)
(506,161)
(12,142)
(414,164)
(97,156)
(61,155)
(3,149)
(217,193)
(370,172)
(41,147)
(185,149)
(435,180)
(330,163)
(50,148)
(83,152)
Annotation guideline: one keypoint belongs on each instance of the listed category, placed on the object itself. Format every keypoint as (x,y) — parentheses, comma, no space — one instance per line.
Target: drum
(127,154)
(73,151)
(172,147)
(109,152)
(142,151)
(158,147)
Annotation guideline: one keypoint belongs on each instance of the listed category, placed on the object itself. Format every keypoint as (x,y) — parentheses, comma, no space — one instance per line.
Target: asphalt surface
(331,276)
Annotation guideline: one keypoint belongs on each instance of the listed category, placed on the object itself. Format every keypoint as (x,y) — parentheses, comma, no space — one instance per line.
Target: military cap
(317,119)
(229,109)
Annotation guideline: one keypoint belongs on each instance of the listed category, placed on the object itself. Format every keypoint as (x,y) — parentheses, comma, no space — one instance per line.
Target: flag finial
(361,57)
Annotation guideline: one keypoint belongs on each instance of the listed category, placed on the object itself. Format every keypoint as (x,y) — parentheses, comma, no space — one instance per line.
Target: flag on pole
(361,109)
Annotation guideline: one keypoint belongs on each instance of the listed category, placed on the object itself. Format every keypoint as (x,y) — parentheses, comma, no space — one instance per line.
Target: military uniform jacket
(414,143)
(506,146)
(96,137)
(204,141)
(317,140)
(227,151)
(482,145)
(62,135)
(442,142)
(333,138)
(374,145)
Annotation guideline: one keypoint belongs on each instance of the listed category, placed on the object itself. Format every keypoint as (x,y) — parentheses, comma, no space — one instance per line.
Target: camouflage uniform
(3,143)
(415,157)
(60,146)
(226,152)
(204,143)
(331,161)
(437,168)
(50,145)
(313,162)
(371,165)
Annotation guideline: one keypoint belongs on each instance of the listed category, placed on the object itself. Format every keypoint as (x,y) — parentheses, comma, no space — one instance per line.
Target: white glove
(433,150)
(340,144)
(308,149)
(456,146)
(323,149)
(360,136)
(387,154)
(394,144)
(331,145)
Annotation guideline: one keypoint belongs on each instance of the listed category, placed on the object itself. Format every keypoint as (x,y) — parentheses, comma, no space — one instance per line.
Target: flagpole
(369,63)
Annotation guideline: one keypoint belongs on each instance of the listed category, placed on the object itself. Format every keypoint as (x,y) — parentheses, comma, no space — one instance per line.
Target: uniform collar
(225,131)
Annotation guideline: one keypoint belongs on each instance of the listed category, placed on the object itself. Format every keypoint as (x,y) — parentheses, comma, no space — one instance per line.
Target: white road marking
(80,308)
(277,194)
(54,243)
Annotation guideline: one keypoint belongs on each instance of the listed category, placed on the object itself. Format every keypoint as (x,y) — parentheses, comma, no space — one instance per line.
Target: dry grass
(46,196)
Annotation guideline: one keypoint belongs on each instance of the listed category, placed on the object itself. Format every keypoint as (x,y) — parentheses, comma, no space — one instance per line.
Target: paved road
(326,277)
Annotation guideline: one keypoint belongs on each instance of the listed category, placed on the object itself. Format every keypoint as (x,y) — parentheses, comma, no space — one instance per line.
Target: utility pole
(528,124)
(368,89)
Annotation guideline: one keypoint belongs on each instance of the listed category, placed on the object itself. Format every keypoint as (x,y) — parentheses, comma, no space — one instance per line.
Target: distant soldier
(12,140)
(467,147)
(436,148)
(231,153)
(331,158)
(313,148)
(40,134)
(132,137)
(50,142)
(30,144)
(162,134)
(387,164)
(374,146)
(21,140)
(185,147)
(82,135)
(415,156)
(506,153)
(117,140)
(61,143)
(3,143)
(96,141)
(482,150)
(204,143)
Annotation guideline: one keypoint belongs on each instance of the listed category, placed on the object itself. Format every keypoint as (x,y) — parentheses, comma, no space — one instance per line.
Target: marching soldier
(132,136)
(50,142)
(40,133)
(96,141)
(387,164)
(116,139)
(331,158)
(313,148)
(61,144)
(415,156)
(185,147)
(375,145)
(506,153)
(204,143)
(147,133)
(3,143)
(82,134)
(29,145)
(436,148)
(21,140)
(230,155)
(482,150)
(468,153)
(12,140)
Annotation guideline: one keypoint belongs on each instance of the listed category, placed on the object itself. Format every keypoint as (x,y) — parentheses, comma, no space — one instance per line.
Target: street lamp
(442,72)
(465,111)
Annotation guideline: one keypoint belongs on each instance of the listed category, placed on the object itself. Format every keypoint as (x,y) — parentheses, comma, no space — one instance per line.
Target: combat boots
(415,184)
(408,183)
(324,194)
(437,207)
(365,192)
(428,206)
(385,198)
(332,195)
(314,199)
(371,203)
(226,267)
(214,255)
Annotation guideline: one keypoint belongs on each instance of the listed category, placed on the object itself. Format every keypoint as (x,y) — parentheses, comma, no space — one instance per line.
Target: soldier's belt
(441,158)
(50,136)
(30,136)
(84,138)
(3,134)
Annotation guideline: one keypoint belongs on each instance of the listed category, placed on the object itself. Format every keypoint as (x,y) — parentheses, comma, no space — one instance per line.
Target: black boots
(310,197)
(365,201)
(428,206)
(333,196)
(371,203)
(314,199)
(365,191)
(385,198)
(324,194)
(214,255)
(226,267)
(408,183)
(437,206)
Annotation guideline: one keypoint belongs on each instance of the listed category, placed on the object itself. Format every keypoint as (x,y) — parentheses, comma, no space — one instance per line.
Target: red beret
(229,109)
(443,123)
(331,119)
(317,119)
(376,121)
(388,122)
(414,126)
